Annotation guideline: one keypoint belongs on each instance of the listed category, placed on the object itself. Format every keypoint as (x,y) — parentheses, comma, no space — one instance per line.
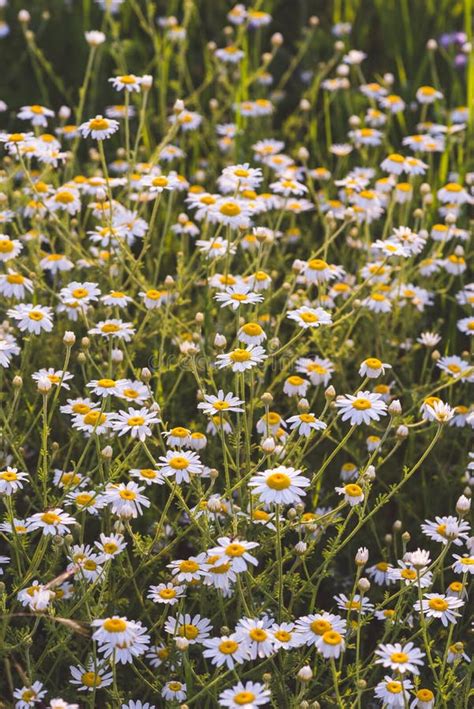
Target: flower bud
(395,408)
(363,585)
(69,338)
(107,452)
(362,556)
(182,643)
(305,674)
(268,445)
(330,393)
(301,548)
(44,385)
(463,506)
(220,341)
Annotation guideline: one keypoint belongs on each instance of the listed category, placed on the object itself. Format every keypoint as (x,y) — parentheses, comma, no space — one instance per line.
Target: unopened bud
(107,452)
(44,385)
(269,445)
(182,643)
(463,506)
(69,338)
(220,341)
(362,556)
(363,585)
(395,408)
(305,674)
(330,393)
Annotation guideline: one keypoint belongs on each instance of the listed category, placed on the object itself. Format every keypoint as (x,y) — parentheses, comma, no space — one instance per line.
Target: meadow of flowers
(236,356)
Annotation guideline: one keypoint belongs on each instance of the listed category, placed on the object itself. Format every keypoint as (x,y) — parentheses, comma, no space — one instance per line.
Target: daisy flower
(462,564)
(9,248)
(447,529)
(166,593)
(174,691)
(256,637)
(357,603)
(52,522)
(236,551)
(189,570)
(126,82)
(280,486)
(331,645)
(237,295)
(125,499)
(56,376)
(32,319)
(113,328)
(394,692)
(137,422)
(439,606)
(110,545)
(11,480)
(222,403)
(99,128)
(226,650)
(400,658)
(305,423)
(250,695)
(181,464)
(310,628)
(29,695)
(373,368)
(194,628)
(242,359)
(353,493)
(310,317)
(364,407)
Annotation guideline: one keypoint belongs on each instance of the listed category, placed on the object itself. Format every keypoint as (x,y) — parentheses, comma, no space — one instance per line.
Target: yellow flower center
(188,566)
(278,481)
(110,327)
(8,475)
(258,635)
(230,209)
(35,315)
(331,637)
(114,625)
(240,355)
(235,549)
(242,698)
(178,462)
(353,490)
(91,679)
(14,278)
(309,317)
(110,547)
(98,124)
(373,363)
(394,687)
(136,421)
(84,498)
(361,404)
(408,574)
(64,197)
(320,626)
(188,631)
(227,647)
(80,408)
(127,494)
(79,293)
(307,418)
(50,518)
(295,380)
(438,604)
(6,246)
(425,695)
(317,264)
(93,418)
(399,657)
(382,566)
(167,593)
